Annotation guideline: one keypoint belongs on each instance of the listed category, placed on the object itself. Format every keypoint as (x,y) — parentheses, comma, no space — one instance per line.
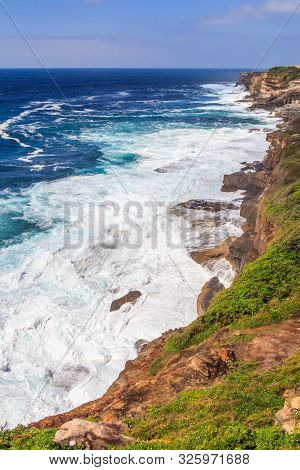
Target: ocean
(91,160)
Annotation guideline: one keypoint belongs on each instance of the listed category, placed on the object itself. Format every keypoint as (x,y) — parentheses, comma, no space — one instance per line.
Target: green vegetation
(156,366)
(284,206)
(22,438)
(276,312)
(285,74)
(237,413)
(271,278)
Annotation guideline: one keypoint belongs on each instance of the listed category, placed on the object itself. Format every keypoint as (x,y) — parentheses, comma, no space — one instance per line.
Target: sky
(149,33)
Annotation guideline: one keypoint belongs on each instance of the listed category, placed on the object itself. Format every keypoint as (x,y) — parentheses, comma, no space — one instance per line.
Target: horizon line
(136,68)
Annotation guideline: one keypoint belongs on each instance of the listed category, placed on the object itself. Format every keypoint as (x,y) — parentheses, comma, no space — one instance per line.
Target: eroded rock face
(288,416)
(270,90)
(209,290)
(246,78)
(95,436)
(131,297)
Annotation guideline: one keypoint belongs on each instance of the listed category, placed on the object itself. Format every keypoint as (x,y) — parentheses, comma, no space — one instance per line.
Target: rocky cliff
(219,382)
(276,88)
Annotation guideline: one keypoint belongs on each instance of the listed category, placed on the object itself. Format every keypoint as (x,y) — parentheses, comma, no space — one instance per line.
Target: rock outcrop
(241,251)
(289,416)
(95,436)
(209,290)
(278,87)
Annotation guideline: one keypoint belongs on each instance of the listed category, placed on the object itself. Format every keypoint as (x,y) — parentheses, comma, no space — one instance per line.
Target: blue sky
(149,33)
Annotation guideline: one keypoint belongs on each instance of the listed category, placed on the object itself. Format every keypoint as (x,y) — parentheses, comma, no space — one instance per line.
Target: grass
(156,366)
(283,206)
(276,312)
(237,413)
(285,74)
(269,279)
(22,438)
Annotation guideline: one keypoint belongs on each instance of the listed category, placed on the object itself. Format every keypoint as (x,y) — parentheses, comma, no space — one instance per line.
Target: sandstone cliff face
(159,374)
(275,88)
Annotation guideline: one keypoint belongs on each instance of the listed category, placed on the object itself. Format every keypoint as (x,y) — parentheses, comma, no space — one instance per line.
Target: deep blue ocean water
(42,119)
(118,100)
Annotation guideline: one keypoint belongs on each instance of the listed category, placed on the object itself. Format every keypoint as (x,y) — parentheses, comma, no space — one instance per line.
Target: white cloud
(251,12)
(281,6)
(234,15)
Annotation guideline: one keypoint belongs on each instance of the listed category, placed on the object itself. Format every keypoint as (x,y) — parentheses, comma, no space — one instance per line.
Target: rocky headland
(231,379)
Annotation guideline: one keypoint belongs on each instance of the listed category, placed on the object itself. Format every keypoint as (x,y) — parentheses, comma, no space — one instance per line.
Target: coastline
(238,251)
(233,366)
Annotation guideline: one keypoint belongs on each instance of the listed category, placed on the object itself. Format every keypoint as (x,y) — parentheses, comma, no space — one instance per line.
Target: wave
(123,93)
(15,119)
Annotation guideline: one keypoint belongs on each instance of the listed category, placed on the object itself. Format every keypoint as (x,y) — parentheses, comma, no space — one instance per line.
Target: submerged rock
(201,204)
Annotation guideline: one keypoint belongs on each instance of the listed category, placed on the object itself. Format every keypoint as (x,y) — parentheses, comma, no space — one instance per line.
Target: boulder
(132,297)
(288,416)
(96,436)
(207,293)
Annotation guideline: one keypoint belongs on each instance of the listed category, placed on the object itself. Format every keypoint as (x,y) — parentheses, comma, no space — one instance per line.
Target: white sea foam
(60,344)
(4,126)
(123,93)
